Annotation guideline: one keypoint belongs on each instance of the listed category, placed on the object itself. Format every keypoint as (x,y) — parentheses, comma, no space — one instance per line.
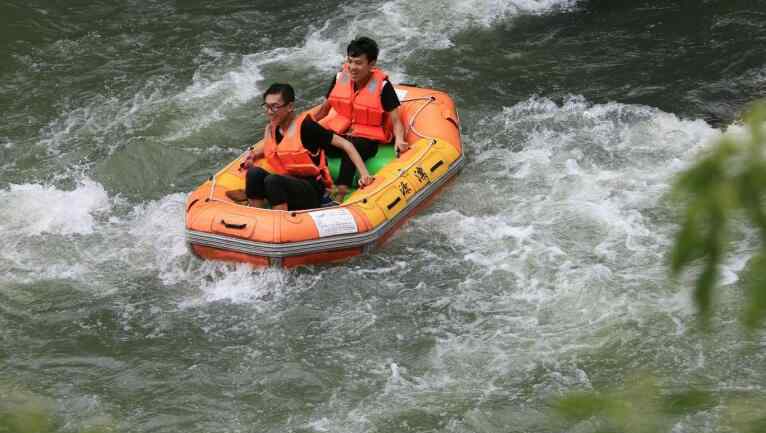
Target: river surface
(541,270)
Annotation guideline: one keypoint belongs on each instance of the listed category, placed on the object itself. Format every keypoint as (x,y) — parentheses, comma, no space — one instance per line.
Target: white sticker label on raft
(401,94)
(333,222)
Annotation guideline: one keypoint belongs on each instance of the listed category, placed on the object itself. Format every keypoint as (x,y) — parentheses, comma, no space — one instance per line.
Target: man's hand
(365,180)
(248,160)
(401,146)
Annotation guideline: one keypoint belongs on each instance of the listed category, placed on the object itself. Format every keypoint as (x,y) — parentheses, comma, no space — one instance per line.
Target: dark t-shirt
(313,136)
(388,97)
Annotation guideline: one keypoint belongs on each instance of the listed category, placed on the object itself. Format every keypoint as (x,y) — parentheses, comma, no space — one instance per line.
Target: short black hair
(363,45)
(283,89)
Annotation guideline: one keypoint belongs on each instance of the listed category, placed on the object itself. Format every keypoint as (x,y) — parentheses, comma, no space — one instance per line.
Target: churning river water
(540,271)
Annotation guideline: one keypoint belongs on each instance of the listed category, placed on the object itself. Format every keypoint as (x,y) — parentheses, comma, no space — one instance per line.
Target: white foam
(402,27)
(157,237)
(43,227)
(570,228)
(736,263)
(322,424)
(150,238)
(238,85)
(217,89)
(157,243)
(34,209)
(103,120)
(396,376)
(322,53)
(244,284)
(220,85)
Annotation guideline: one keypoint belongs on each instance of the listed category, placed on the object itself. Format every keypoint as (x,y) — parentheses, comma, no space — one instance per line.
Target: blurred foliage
(727,183)
(22,411)
(638,407)
(643,406)
(726,186)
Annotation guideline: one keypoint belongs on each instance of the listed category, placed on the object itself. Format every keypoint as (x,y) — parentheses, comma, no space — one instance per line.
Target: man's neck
(361,83)
(285,123)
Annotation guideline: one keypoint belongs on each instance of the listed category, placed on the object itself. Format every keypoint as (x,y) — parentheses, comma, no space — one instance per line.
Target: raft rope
(430,99)
(212,188)
(432,140)
(214,178)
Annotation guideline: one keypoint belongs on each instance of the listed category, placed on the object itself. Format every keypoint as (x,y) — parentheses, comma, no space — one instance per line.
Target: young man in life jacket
(294,174)
(363,100)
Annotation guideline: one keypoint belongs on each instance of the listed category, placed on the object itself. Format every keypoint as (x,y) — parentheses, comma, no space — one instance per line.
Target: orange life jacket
(290,157)
(359,113)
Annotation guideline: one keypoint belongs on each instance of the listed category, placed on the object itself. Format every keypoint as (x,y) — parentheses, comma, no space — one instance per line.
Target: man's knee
(254,182)
(256,174)
(366,148)
(271,182)
(275,189)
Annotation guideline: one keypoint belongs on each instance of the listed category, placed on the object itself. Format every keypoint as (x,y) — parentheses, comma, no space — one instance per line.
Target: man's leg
(254,186)
(289,192)
(367,149)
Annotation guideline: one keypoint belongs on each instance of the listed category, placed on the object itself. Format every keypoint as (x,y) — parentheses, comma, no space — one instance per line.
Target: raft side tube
(338,242)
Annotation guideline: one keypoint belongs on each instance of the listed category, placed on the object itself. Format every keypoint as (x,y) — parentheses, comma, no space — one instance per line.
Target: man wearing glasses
(294,175)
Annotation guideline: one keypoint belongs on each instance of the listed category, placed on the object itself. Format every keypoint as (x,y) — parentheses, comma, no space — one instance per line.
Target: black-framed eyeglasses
(273,107)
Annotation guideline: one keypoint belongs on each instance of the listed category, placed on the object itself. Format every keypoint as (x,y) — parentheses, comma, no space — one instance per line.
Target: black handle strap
(437,165)
(393,203)
(233,226)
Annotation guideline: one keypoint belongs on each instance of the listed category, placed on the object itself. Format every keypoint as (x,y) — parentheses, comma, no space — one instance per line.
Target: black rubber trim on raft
(233,226)
(191,204)
(393,203)
(454,122)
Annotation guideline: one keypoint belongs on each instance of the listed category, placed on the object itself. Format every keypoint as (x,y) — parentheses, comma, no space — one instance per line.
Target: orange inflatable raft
(219,229)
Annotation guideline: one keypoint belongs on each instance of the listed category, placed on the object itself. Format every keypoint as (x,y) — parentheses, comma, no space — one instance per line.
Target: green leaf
(755,119)
(750,187)
(686,247)
(755,310)
(703,291)
(700,177)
